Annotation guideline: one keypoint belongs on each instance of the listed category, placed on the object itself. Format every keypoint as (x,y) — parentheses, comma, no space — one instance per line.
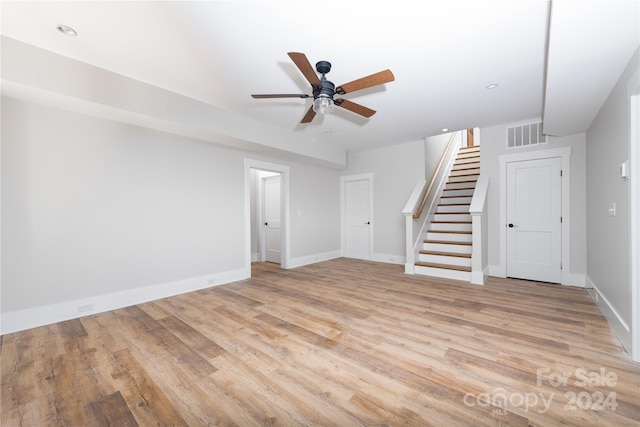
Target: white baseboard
(497,271)
(616,323)
(480,277)
(388,258)
(577,280)
(312,259)
(19,320)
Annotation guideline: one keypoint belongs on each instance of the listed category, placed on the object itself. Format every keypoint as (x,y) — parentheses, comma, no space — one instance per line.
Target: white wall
(493,146)
(315,213)
(608,236)
(396,170)
(434,149)
(101,213)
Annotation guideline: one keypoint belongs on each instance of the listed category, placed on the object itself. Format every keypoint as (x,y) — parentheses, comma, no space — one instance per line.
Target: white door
(357,219)
(271,217)
(534,220)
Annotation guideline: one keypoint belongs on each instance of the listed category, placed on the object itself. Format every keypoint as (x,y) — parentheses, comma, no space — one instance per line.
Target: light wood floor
(341,343)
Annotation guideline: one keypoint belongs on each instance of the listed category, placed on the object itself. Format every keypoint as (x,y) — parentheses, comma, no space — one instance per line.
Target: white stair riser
(455,200)
(466,150)
(441,272)
(459,185)
(452,208)
(451,217)
(462,178)
(448,237)
(445,247)
(446,260)
(449,226)
(459,172)
(473,165)
(466,161)
(461,193)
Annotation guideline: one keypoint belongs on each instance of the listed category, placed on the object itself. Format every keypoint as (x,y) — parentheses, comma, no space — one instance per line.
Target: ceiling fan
(324,90)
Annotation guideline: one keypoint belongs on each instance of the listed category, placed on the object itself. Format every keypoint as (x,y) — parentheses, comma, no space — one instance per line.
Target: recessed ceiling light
(492,86)
(445,130)
(67,31)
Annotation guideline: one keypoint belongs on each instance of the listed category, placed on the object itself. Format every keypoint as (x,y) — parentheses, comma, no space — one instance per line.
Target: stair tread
(443,266)
(453,204)
(446,242)
(441,253)
(462,182)
(449,231)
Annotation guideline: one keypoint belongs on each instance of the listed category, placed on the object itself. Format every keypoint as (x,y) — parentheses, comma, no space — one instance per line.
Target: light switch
(612,209)
(624,170)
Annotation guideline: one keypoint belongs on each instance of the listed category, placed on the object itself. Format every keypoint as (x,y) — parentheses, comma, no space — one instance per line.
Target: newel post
(479,247)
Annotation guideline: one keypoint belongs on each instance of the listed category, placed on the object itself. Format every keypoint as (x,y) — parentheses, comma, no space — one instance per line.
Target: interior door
(272,218)
(357,219)
(534,220)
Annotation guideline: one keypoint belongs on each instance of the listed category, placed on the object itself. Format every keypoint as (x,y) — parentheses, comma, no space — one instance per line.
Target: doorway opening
(268,217)
(266,213)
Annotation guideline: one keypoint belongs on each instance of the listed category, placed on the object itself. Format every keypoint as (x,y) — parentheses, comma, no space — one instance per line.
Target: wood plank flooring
(338,343)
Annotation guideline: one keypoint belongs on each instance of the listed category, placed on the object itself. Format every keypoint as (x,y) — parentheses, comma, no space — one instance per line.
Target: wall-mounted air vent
(525,135)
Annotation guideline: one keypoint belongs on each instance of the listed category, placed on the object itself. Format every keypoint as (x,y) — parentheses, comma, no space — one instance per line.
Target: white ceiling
(443,55)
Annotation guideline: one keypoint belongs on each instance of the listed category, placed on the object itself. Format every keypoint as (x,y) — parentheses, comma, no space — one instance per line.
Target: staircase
(446,250)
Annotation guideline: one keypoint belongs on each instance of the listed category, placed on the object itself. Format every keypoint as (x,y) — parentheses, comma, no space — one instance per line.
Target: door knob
(511,225)
(368,222)
(266,223)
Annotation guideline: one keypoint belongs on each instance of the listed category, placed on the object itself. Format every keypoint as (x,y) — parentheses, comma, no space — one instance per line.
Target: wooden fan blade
(356,108)
(379,78)
(309,116)
(303,64)
(281,95)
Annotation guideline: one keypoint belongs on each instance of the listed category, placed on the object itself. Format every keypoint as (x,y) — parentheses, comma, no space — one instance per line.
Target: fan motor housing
(327,88)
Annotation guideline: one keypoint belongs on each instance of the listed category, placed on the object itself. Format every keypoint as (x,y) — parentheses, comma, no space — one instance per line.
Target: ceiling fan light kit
(324,90)
(323,104)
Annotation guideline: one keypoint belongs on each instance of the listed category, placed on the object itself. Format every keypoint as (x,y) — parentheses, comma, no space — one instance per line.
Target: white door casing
(564,153)
(357,223)
(534,220)
(284,226)
(271,216)
(633,92)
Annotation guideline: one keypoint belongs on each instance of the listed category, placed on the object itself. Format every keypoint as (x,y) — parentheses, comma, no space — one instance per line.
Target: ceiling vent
(525,135)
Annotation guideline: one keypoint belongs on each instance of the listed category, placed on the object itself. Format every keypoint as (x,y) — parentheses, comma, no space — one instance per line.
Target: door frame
(262,235)
(285,256)
(633,94)
(343,207)
(565,154)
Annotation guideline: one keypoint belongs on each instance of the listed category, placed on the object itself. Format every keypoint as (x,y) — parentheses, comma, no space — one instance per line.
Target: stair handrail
(479,231)
(415,216)
(426,192)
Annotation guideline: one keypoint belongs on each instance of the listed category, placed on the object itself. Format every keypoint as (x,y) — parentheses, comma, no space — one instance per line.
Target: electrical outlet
(85,307)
